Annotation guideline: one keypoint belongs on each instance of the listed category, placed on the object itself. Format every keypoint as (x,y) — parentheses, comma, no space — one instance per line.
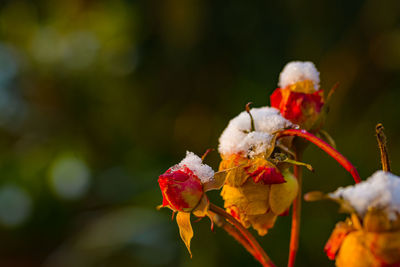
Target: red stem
(259,254)
(324,146)
(296,216)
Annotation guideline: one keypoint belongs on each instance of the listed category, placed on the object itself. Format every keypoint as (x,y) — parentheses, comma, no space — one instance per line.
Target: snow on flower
(238,137)
(297,71)
(381,190)
(195,164)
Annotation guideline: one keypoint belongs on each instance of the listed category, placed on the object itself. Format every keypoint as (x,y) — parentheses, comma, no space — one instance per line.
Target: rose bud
(371,237)
(182,185)
(183,188)
(298,97)
(255,190)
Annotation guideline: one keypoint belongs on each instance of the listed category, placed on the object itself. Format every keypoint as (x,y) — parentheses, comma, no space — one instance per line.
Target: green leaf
(185,228)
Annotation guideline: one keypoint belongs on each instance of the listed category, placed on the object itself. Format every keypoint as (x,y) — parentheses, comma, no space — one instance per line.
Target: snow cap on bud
(299,98)
(380,191)
(182,184)
(239,137)
(298,71)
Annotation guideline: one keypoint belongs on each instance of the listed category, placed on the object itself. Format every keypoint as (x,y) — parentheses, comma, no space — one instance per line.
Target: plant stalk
(325,147)
(259,253)
(296,215)
(381,137)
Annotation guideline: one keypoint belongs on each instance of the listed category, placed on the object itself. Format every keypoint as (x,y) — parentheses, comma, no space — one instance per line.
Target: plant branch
(259,253)
(380,136)
(324,146)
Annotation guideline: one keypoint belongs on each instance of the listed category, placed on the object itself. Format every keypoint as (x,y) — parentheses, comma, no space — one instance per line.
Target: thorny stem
(259,253)
(231,230)
(324,146)
(380,135)
(253,128)
(296,216)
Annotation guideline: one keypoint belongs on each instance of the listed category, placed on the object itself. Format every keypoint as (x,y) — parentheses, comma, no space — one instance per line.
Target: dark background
(98,98)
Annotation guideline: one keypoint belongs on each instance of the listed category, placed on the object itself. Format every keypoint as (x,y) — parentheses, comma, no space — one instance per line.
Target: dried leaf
(202,208)
(217,182)
(185,228)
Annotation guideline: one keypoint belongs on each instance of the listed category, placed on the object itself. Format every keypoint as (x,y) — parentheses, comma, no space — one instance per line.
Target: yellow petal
(236,176)
(282,195)
(185,228)
(376,221)
(262,223)
(234,165)
(255,191)
(354,252)
(256,207)
(385,246)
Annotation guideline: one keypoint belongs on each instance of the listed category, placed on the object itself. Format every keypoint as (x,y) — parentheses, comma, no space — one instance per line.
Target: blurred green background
(97,98)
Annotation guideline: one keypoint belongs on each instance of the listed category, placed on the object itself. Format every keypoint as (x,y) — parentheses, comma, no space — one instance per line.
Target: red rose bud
(181,189)
(298,97)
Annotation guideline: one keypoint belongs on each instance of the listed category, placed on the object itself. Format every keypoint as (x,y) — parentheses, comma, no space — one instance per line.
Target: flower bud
(182,185)
(298,98)
(181,189)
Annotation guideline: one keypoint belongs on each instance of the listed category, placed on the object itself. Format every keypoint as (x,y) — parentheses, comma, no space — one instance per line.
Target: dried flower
(256,191)
(371,237)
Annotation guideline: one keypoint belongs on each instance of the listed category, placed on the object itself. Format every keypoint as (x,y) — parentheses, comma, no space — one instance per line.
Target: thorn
(332,91)
(206,153)
(173,215)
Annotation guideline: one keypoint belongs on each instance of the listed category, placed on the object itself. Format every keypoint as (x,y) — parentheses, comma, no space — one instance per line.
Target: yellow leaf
(185,228)
(282,195)
(202,208)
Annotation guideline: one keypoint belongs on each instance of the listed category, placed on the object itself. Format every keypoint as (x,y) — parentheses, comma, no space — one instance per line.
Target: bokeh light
(15,205)
(69,177)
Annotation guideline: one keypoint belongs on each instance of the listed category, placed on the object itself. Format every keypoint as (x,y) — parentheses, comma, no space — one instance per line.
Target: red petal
(336,239)
(268,175)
